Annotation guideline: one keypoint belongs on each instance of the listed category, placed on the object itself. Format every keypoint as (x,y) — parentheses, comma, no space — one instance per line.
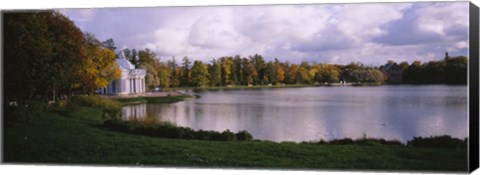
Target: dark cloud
(408,29)
(405,31)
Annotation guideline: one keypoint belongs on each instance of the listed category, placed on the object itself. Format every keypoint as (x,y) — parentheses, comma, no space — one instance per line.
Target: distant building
(132,80)
(393,72)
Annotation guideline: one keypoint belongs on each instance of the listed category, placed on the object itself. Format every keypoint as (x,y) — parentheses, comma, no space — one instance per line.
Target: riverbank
(79,138)
(151,97)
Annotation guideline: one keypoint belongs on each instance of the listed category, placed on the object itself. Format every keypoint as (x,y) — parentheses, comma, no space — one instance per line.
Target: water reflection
(138,111)
(311,114)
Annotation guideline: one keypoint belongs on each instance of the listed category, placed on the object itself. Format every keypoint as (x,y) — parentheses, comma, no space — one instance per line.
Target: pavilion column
(143,85)
(131,85)
(135,85)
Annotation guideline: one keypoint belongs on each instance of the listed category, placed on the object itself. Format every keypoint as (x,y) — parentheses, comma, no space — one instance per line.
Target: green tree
(109,44)
(186,71)
(215,72)
(199,74)
(43,54)
(164,74)
(174,77)
(27,54)
(456,70)
(250,73)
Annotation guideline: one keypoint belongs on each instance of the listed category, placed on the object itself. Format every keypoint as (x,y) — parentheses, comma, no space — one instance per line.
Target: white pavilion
(132,80)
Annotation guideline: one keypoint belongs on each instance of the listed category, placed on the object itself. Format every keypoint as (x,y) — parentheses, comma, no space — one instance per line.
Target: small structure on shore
(132,80)
(393,72)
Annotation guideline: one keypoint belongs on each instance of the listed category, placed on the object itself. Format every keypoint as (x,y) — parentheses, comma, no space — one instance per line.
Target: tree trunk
(53,94)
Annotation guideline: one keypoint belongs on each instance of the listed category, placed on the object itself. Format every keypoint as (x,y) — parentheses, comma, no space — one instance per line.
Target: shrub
(111,108)
(22,112)
(444,141)
(244,136)
(375,141)
(228,136)
(342,141)
(170,130)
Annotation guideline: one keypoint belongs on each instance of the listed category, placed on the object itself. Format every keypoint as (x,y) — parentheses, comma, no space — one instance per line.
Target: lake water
(314,113)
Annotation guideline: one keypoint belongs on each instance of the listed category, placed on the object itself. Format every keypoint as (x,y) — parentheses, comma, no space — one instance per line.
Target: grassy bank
(80,138)
(243,87)
(158,99)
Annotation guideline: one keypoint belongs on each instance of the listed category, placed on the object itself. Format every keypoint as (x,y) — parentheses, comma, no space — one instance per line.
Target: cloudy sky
(331,33)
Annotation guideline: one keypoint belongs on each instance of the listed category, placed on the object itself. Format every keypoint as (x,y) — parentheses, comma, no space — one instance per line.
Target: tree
(134,58)
(292,74)
(456,70)
(280,73)
(172,64)
(109,44)
(164,74)
(43,54)
(270,72)
(27,54)
(186,71)
(302,75)
(100,67)
(259,65)
(199,74)
(250,73)
(215,73)
(225,70)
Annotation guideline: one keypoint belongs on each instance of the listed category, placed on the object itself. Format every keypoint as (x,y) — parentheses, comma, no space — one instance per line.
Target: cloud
(428,23)
(334,33)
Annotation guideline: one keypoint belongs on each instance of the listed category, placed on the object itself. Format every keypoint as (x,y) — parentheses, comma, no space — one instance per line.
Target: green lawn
(140,100)
(79,138)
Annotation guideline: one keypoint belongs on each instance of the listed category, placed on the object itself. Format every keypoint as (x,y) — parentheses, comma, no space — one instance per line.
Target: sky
(370,33)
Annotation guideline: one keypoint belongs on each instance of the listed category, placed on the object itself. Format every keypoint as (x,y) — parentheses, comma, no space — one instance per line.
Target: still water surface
(314,113)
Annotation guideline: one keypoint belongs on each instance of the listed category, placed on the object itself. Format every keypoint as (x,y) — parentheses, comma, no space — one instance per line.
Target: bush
(111,109)
(444,141)
(228,136)
(244,136)
(22,112)
(344,141)
(169,130)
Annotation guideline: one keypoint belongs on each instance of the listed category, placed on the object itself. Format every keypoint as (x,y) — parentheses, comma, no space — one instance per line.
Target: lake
(315,113)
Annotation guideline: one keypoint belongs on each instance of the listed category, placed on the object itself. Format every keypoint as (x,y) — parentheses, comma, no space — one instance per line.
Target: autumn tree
(250,73)
(225,65)
(280,73)
(292,73)
(100,67)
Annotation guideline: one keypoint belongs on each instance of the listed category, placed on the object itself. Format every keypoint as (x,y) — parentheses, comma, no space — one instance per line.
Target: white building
(131,82)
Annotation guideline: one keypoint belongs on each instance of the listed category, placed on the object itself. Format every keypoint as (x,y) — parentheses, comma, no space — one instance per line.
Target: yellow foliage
(99,69)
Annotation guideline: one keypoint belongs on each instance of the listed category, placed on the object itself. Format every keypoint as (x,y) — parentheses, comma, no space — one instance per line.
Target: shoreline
(81,140)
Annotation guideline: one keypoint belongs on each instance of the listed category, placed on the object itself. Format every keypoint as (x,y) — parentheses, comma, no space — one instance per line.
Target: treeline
(47,56)
(450,70)
(255,70)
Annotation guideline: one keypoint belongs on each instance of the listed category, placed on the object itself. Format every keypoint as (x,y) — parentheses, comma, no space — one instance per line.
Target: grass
(79,138)
(242,87)
(162,99)
(167,99)
(131,101)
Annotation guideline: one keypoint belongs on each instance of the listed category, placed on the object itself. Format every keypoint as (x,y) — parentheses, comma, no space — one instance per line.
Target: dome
(124,63)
